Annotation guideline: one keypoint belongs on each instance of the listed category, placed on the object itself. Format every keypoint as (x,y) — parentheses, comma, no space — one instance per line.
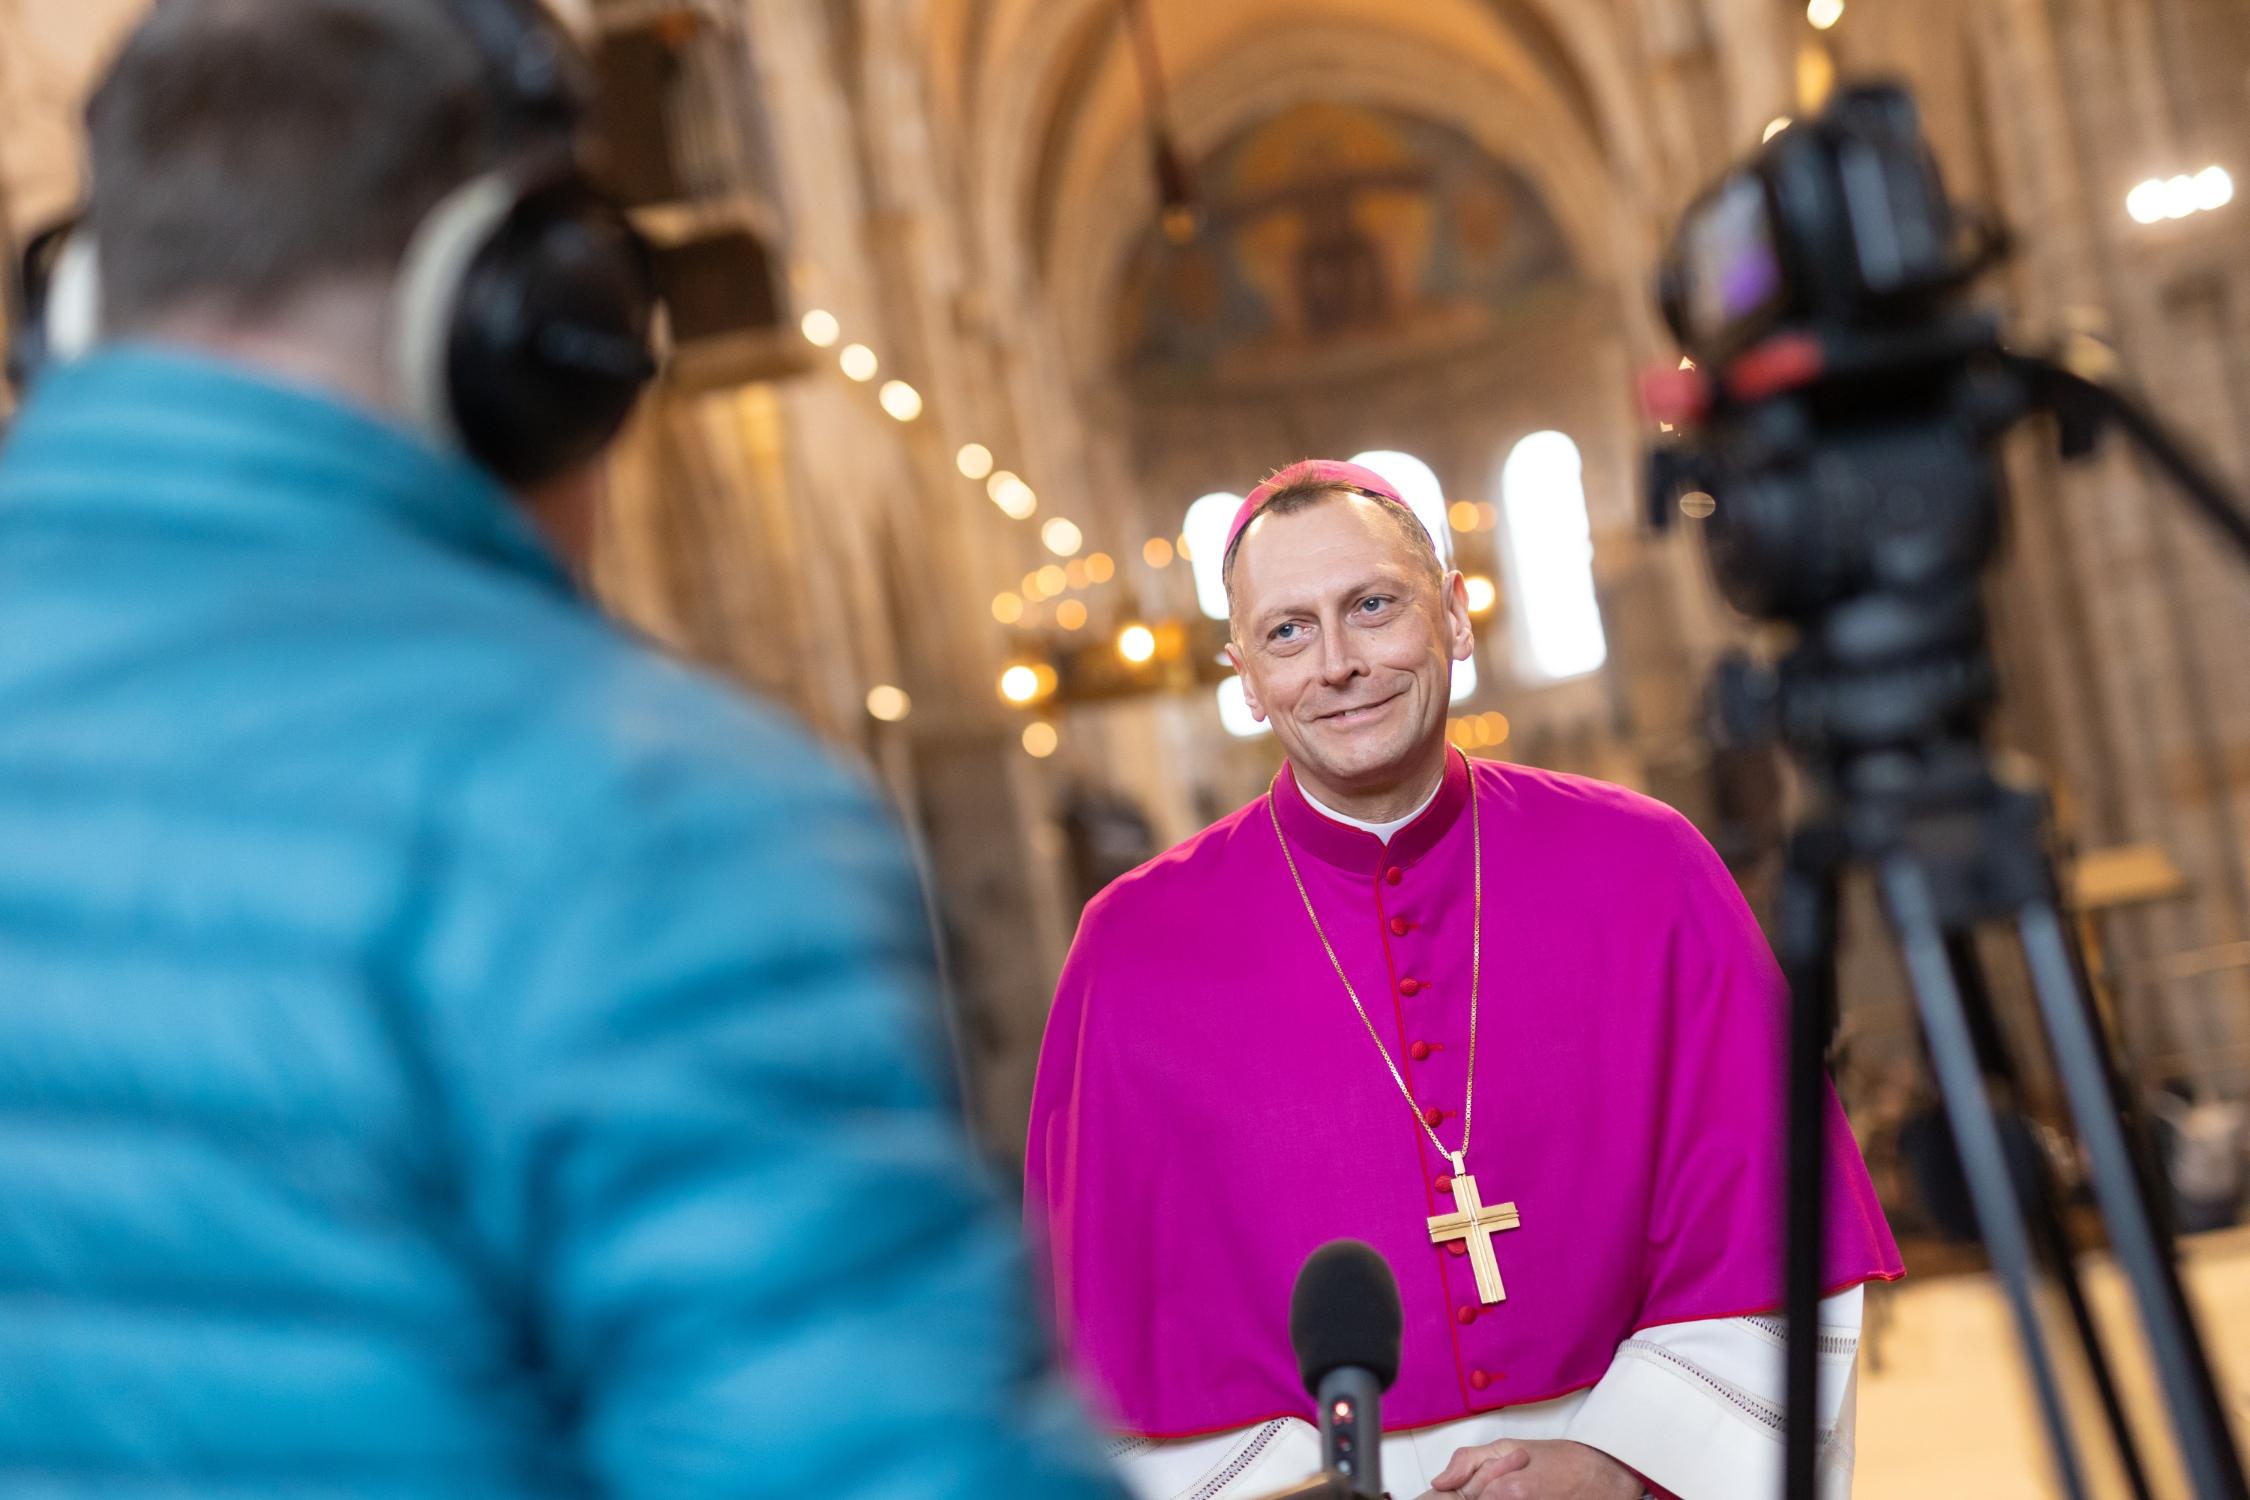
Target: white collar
(1382,831)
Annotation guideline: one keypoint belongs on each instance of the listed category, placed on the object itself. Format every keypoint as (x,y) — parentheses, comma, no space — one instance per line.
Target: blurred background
(988,311)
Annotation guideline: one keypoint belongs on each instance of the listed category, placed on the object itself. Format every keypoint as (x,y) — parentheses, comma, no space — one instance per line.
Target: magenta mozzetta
(1209,1109)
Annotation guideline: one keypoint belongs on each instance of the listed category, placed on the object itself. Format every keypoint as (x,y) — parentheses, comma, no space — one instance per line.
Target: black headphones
(525,313)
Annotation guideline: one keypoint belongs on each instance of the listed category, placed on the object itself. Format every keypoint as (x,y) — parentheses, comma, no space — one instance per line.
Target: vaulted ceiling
(1049,125)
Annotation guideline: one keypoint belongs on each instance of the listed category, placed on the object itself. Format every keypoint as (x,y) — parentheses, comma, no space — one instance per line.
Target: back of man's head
(249,153)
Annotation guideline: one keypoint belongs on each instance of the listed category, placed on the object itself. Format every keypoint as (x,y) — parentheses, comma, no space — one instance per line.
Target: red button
(1445,1182)
(1394,875)
(1399,926)
(1479,1379)
(1434,1115)
(1457,1247)
(1464,1316)
(1410,987)
(1420,1052)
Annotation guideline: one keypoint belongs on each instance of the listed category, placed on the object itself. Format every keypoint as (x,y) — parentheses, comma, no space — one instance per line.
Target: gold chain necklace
(1473,1221)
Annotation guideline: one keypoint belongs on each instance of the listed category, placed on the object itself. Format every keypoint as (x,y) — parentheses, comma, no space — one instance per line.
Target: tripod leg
(1976,1135)
(2050,1239)
(1806,933)
(2206,1449)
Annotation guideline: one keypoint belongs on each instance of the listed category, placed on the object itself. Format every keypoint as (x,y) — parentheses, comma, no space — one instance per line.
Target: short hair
(243,150)
(1306,493)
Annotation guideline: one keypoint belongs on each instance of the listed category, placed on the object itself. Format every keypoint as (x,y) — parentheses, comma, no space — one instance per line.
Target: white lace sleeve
(1697,1407)
(1249,1461)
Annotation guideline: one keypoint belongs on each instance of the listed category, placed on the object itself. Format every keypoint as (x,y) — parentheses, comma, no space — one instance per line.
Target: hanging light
(1483,594)
(900,400)
(859,362)
(890,704)
(1007,608)
(1012,495)
(974,460)
(1070,614)
(1824,13)
(821,328)
(1136,643)
(1063,538)
(1040,739)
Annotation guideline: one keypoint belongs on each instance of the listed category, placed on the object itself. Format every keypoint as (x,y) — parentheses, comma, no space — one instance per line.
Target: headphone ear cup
(552,333)
(58,282)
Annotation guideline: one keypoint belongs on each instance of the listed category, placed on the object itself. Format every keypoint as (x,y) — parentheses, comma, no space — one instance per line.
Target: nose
(1339,658)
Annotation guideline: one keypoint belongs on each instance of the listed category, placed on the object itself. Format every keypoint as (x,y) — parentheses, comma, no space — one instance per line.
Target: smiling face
(1345,633)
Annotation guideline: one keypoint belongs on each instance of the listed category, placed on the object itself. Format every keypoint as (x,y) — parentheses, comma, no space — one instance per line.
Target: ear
(1249,688)
(1460,632)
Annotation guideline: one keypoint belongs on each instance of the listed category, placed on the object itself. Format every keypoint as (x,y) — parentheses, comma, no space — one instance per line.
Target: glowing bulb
(1824,13)
(1136,643)
(888,703)
(1040,740)
(1697,506)
(2179,196)
(1007,608)
(821,328)
(2146,201)
(1063,538)
(1156,552)
(1070,615)
(1012,495)
(901,400)
(1101,567)
(974,460)
(2213,188)
(1461,515)
(1019,684)
(1774,127)
(1483,594)
(859,362)
(1052,580)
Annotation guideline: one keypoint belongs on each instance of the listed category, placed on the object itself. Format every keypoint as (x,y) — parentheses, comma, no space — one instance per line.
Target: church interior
(987,313)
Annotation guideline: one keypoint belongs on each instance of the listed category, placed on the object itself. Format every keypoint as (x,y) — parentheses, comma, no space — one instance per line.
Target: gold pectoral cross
(1473,1222)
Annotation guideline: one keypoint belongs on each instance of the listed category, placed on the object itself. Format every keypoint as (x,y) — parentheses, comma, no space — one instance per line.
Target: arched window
(1206,532)
(1556,623)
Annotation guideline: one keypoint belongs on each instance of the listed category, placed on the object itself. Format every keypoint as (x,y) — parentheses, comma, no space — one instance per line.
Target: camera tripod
(1883,701)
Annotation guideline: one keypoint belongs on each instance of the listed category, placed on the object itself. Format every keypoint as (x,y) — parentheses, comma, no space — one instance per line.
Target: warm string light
(1824,13)
(1019,502)
(888,703)
(1483,731)
(2178,197)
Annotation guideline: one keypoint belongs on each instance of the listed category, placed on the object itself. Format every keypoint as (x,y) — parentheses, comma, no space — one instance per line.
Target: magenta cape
(1209,1110)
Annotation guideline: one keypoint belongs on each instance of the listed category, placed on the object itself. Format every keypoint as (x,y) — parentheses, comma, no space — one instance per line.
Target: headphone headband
(530,65)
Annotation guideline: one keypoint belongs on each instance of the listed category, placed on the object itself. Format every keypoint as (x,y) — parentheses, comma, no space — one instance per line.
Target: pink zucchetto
(1326,471)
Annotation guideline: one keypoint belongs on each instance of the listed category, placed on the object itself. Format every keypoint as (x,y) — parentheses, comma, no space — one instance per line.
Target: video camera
(1837,419)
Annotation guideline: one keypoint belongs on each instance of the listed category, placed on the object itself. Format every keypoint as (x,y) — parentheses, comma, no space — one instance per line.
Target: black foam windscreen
(1345,1312)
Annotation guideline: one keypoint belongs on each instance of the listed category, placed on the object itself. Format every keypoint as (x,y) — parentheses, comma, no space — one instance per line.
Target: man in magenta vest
(1517,1030)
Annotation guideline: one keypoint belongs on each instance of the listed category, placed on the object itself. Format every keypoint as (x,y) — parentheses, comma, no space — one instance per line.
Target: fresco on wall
(1335,237)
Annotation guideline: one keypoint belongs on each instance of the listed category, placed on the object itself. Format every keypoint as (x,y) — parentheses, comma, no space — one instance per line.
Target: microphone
(1344,1324)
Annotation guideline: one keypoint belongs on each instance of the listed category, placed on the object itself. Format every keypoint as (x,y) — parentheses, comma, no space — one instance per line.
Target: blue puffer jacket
(445,1049)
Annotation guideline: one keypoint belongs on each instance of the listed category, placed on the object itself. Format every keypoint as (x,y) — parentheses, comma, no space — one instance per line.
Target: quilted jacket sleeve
(723,1150)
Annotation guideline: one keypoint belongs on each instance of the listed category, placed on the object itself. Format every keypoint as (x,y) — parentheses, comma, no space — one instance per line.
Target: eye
(1373,604)
(1286,631)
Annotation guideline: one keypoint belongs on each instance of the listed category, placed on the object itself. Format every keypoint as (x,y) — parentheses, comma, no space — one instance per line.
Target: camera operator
(445,1048)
